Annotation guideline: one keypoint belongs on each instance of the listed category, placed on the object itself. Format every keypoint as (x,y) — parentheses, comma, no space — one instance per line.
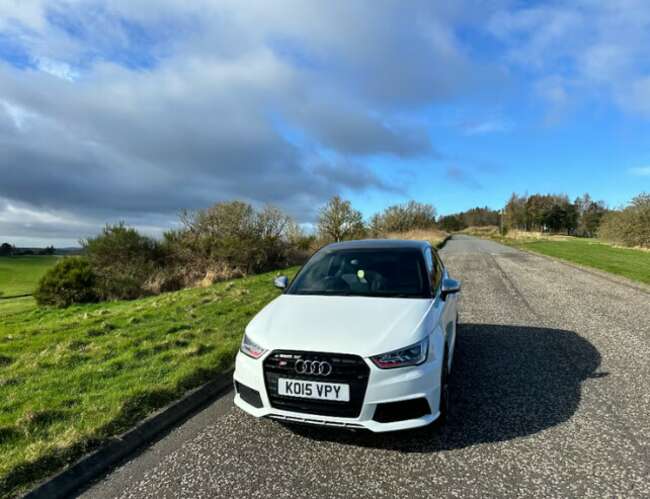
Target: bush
(71,280)
(630,226)
(123,261)
(404,218)
(227,240)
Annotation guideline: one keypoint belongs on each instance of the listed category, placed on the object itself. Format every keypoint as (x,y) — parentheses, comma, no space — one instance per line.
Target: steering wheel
(336,283)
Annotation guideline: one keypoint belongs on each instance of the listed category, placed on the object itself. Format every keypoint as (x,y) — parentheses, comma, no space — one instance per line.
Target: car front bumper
(385,386)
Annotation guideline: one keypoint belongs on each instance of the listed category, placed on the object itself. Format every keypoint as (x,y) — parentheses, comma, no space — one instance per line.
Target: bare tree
(339,221)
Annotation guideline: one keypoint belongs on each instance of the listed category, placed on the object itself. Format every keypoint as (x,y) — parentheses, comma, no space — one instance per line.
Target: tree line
(7,249)
(554,213)
(557,214)
(226,240)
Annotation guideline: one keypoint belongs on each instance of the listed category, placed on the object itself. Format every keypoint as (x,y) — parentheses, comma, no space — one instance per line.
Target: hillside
(69,378)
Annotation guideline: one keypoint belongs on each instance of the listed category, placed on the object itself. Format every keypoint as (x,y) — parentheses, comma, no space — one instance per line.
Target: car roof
(379,244)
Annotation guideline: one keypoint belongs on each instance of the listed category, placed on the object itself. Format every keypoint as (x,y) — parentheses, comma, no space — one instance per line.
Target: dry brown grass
(487,231)
(520,235)
(515,234)
(434,236)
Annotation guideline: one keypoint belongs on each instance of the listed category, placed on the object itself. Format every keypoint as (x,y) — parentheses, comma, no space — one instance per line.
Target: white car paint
(362,326)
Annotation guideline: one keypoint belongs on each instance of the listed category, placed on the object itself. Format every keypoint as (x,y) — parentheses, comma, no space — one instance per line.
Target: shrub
(71,280)
(227,240)
(404,218)
(630,226)
(123,261)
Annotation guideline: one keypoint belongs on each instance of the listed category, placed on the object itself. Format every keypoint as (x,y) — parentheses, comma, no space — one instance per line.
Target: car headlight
(410,356)
(251,348)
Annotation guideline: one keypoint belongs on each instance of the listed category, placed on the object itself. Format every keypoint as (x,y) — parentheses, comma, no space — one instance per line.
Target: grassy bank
(70,378)
(19,275)
(633,264)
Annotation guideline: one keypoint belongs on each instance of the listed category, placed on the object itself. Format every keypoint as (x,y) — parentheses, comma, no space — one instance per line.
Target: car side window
(441,266)
(435,269)
(438,271)
(428,257)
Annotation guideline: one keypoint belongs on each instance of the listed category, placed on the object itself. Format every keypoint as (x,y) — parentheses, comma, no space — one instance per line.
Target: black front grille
(348,369)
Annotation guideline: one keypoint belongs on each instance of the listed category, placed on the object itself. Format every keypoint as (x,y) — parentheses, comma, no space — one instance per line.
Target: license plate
(314,390)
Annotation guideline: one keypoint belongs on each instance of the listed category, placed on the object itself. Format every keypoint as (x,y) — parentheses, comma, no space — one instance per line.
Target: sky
(132,110)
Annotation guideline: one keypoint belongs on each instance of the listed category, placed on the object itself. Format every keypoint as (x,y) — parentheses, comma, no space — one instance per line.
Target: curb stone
(93,465)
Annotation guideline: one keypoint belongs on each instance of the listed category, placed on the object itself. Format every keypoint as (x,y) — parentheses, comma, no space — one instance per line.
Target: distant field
(19,275)
(70,378)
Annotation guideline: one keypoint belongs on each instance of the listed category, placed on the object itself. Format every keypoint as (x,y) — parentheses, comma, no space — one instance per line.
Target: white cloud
(57,68)
(582,49)
(487,127)
(154,110)
(643,171)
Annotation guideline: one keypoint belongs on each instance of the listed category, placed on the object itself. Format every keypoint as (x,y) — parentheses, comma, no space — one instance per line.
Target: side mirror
(281,282)
(449,287)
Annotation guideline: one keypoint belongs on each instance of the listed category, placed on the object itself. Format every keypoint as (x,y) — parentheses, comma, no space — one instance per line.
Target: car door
(440,309)
(449,310)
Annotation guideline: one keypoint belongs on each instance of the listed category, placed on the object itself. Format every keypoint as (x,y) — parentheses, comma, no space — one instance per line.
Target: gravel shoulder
(550,398)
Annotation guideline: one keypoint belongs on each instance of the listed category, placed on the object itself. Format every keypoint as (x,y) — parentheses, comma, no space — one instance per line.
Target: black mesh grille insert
(249,395)
(349,369)
(401,411)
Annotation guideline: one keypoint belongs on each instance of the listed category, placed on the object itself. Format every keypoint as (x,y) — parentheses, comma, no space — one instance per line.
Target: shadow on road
(508,382)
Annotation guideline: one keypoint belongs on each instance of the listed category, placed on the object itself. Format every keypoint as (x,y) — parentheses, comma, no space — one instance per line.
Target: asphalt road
(551,397)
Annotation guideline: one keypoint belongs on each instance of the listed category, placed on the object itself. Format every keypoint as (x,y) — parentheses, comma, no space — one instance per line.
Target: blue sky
(133,110)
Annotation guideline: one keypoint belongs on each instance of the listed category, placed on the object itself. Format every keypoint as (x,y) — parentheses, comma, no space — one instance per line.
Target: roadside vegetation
(632,263)
(70,378)
(584,231)
(227,240)
(550,214)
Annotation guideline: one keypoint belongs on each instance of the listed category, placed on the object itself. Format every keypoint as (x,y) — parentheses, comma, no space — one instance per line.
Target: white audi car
(363,337)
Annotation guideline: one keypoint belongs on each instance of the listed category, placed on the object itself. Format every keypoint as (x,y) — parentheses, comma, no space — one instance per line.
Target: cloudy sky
(134,109)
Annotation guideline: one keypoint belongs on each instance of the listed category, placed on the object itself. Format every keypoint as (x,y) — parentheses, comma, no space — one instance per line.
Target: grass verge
(19,275)
(633,264)
(71,378)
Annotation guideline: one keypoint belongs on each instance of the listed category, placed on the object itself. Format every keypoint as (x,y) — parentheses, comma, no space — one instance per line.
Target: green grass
(70,378)
(19,275)
(631,263)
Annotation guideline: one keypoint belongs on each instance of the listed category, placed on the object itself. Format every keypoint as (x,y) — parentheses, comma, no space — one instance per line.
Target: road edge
(442,243)
(92,465)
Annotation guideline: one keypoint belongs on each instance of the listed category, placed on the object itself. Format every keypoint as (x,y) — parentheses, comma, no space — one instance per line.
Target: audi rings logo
(314,367)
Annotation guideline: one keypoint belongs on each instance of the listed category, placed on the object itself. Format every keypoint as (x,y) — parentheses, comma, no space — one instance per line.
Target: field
(70,378)
(19,275)
(631,263)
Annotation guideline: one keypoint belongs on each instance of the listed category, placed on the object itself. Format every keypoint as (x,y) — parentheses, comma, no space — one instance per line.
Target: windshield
(373,272)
